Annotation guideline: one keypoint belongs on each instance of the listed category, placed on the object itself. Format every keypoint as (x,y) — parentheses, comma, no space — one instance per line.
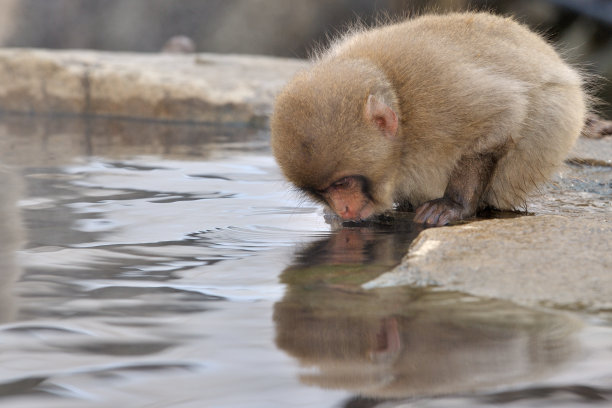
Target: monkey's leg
(466,185)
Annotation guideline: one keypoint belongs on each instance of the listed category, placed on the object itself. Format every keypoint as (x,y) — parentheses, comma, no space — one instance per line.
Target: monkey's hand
(440,211)
(466,185)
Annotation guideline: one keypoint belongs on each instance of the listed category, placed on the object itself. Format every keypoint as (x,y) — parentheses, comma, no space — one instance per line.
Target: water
(150,265)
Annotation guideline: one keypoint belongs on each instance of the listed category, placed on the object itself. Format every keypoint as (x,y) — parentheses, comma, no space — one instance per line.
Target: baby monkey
(445,114)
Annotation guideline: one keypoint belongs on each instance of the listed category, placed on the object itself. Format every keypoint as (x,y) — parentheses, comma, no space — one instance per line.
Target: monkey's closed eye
(343,183)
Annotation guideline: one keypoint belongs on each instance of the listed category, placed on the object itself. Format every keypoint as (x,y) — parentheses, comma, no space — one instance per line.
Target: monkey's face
(352,197)
(336,139)
(348,166)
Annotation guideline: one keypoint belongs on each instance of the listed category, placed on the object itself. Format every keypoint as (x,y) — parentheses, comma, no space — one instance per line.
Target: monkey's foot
(440,211)
(596,127)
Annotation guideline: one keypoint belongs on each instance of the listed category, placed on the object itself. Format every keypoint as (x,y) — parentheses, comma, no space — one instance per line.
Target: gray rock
(584,186)
(192,88)
(551,261)
(593,151)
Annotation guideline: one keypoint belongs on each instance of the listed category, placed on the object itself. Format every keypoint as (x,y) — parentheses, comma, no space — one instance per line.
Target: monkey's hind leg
(464,191)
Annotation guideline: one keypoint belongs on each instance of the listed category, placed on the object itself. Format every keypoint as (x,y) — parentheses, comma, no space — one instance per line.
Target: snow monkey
(445,114)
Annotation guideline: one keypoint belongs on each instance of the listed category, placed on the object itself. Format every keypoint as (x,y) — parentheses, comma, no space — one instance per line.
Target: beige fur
(460,84)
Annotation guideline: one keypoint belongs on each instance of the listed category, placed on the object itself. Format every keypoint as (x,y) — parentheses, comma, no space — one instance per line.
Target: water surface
(150,265)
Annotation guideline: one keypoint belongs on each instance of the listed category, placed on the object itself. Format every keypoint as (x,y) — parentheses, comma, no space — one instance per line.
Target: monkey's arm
(466,185)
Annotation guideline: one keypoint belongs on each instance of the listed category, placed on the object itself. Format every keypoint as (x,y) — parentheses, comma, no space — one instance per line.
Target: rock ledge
(547,260)
(171,87)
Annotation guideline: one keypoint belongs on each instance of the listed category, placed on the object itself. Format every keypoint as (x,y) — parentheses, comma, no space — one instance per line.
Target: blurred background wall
(583,28)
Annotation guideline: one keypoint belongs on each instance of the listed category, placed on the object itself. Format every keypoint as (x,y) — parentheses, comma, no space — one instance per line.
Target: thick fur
(462,84)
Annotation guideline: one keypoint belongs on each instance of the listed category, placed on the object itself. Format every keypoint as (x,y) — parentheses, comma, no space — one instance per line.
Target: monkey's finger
(435,215)
(446,217)
(418,215)
(423,212)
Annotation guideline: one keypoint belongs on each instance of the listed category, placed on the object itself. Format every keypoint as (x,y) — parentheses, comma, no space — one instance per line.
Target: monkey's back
(468,82)
(477,39)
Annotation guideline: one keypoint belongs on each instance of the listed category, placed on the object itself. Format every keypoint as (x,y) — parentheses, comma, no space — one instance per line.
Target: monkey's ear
(382,115)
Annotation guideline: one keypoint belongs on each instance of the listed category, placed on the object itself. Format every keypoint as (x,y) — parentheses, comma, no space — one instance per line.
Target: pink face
(348,199)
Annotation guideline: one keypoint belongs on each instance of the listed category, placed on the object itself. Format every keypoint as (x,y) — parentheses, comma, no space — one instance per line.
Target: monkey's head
(335,135)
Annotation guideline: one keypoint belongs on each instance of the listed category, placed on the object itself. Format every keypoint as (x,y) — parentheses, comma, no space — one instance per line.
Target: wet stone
(552,261)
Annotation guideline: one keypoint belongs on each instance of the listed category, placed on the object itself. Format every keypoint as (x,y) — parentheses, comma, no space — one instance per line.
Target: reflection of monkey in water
(398,342)
(443,113)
